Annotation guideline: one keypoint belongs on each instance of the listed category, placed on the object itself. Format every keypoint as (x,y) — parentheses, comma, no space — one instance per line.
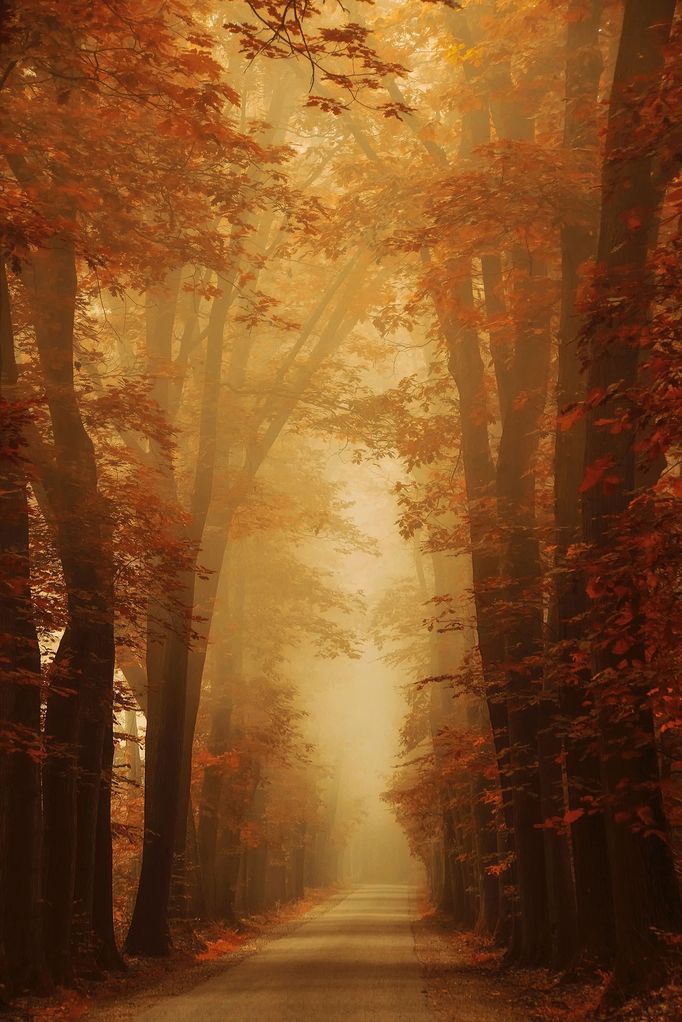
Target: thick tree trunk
(149,933)
(20,681)
(524,630)
(81,680)
(643,883)
(106,950)
(594,913)
(226,680)
(454,887)
(167,654)
(544,885)
(95,760)
(466,367)
(201,503)
(485,834)
(450,895)
(59,821)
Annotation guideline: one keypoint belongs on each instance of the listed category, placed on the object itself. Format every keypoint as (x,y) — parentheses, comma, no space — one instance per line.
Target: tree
(643,884)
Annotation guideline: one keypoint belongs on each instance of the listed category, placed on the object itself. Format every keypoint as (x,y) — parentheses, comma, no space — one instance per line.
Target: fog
(361,702)
(339,477)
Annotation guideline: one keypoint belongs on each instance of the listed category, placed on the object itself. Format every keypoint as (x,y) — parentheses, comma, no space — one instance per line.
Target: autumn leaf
(596,473)
(568,418)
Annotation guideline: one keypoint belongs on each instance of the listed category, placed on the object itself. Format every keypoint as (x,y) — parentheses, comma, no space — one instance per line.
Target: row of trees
(195,277)
(266,816)
(540,435)
(152,221)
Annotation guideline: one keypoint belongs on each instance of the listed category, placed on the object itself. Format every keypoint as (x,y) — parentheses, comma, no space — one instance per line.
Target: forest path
(354,962)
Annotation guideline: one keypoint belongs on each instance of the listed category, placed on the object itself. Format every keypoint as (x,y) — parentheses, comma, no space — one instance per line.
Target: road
(355,961)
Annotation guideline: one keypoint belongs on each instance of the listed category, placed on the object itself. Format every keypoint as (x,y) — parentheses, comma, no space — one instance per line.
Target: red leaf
(596,472)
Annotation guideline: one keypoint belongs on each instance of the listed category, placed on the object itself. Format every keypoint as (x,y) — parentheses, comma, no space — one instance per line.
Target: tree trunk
(81,679)
(149,933)
(643,882)
(523,626)
(211,794)
(466,367)
(107,954)
(20,681)
(298,864)
(228,871)
(594,912)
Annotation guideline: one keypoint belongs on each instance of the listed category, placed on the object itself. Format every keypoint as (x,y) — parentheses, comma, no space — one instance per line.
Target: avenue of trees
(444,237)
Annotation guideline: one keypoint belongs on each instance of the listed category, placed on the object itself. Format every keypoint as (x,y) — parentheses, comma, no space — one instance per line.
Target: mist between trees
(339,368)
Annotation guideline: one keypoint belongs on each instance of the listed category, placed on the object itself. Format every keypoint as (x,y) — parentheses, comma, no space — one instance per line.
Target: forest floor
(199,954)
(467,981)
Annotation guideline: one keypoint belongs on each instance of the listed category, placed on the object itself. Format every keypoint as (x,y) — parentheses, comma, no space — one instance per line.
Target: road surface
(355,961)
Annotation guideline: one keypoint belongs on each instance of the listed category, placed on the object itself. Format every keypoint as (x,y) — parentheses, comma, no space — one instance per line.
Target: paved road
(354,962)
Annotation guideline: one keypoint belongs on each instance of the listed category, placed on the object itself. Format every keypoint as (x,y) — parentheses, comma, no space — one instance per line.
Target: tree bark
(644,887)
(79,708)
(524,627)
(593,924)
(211,792)
(20,681)
(149,933)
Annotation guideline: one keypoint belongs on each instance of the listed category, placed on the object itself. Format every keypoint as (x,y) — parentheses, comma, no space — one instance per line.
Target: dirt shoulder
(463,982)
(468,982)
(198,956)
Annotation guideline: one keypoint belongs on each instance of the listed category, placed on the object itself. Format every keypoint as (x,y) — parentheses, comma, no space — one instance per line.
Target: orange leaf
(568,418)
